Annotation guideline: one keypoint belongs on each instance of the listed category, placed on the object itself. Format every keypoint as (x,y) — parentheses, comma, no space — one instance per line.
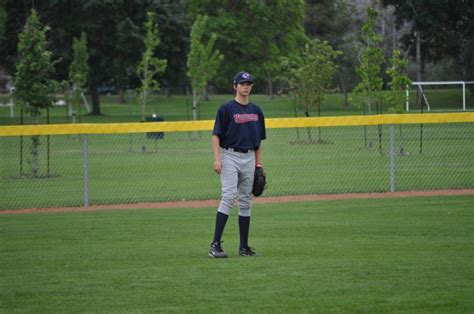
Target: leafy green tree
(366,94)
(34,87)
(399,82)
(115,32)
(203,59)
(277,32)
(3,21)
(330,20)
(275,29)
(175,27)
(78,71)
(460,38)
(309,77)
(438,29)
(327,20)
(150,66)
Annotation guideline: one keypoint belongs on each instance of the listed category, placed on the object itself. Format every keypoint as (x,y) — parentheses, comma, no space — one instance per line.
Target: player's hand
(217,166)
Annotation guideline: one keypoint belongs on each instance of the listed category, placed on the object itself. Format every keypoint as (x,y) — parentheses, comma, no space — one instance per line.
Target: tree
(115,38)
(437,29)
(175,27)
(79,70)
(276,31)
(150,66)
(460,38)
(330,21)
(33,87)
(277,27)
(3,21)
(309,77)
(203,59)
(399,82)
(370,63)
(326,19)
(367,91)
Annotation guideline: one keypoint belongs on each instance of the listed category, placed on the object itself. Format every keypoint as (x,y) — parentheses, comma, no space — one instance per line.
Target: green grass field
(178,108)
(182,168)
(406,255)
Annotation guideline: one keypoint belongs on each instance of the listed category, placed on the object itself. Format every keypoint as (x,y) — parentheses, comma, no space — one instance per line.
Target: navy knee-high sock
(244,226)
(221,220)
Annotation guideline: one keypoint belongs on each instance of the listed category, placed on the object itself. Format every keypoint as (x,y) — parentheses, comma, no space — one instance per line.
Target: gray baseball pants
(237,180)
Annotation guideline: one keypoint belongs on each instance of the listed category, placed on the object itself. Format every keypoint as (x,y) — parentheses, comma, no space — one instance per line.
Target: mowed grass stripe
(404,255)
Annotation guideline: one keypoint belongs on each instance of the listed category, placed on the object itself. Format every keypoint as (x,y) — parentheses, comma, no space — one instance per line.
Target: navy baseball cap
(243,77)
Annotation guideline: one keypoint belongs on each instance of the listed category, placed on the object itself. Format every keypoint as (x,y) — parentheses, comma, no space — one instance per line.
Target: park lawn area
(181,168)
(176,108)
(379,255)
(179,107)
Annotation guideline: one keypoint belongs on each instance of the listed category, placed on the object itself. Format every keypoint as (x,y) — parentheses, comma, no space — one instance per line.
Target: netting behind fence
(139,167)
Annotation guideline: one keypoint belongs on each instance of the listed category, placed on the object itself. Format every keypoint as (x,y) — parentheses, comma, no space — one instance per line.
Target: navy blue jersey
(240,126)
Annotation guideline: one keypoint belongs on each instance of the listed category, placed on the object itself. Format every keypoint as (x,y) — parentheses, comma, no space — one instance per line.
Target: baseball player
(236,143)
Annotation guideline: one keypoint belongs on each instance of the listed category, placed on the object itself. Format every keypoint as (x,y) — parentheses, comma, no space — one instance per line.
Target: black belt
(239,150)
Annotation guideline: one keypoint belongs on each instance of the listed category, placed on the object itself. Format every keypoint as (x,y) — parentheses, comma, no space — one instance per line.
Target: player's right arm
(216,149)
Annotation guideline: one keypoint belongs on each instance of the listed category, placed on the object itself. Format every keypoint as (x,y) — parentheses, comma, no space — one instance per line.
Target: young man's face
(243,89)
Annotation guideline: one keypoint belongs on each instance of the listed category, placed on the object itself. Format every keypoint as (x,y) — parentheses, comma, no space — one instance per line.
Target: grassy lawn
(178,108)
(382,255)
(182,168)
(129,168)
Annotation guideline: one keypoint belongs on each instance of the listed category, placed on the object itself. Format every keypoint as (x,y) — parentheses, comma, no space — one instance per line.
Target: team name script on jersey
(246,117)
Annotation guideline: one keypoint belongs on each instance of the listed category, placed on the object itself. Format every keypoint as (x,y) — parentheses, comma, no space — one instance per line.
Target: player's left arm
(263,135)
(258,155)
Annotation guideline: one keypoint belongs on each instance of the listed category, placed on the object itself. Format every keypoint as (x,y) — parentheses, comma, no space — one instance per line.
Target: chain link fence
(82,170)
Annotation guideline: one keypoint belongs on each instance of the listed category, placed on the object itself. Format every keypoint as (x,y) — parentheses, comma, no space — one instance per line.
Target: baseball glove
(259,181)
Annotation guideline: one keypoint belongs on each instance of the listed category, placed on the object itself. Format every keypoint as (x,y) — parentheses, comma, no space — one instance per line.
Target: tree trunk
(419,77)
(344,91)
(297,129)
(383,15)
(95,101)
(195,102)
(270,86)
(380,138)
(366,138)
(419,69)
(310,137)
(34,161)
(320,140)
(121,96)
(402,144)
(144,106)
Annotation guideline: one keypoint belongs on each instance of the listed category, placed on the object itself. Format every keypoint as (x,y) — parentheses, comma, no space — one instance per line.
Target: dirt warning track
(257,200)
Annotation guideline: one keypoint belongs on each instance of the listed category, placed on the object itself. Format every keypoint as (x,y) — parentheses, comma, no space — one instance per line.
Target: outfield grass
(182,168)
(381,255)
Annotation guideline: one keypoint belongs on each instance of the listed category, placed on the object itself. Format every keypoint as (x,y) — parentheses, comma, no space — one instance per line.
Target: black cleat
(247,251)
(216,251)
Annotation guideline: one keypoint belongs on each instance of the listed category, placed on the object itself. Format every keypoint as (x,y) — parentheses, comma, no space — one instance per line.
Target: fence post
(392,158)
(85,170)
(463,96)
